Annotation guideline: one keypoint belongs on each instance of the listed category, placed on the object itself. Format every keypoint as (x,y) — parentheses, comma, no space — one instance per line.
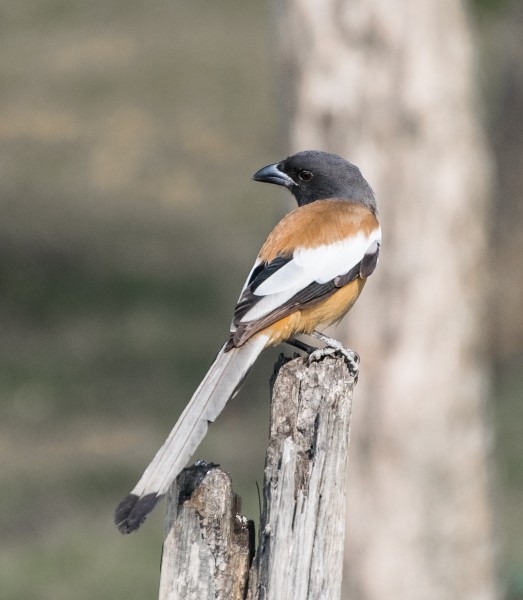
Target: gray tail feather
(222,380)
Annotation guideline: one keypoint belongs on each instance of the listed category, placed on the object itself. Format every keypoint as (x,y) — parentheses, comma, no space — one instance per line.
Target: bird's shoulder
(318,224)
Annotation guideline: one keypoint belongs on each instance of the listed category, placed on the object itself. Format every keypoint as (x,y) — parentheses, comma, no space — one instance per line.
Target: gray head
(314,175)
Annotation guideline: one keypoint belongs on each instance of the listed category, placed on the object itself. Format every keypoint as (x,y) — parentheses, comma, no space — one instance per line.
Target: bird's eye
(305,175)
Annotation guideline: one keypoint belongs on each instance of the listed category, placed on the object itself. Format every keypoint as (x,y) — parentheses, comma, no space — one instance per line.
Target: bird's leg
(351,358)
(307,348)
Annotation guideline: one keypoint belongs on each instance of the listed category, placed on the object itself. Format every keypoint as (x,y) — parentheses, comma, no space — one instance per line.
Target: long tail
(218,386)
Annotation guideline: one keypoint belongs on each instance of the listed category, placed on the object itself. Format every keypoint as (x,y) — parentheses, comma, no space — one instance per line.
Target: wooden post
(300,551)
(208,546)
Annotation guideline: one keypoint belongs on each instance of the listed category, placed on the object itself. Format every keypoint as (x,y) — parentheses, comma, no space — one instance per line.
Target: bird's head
(315,175)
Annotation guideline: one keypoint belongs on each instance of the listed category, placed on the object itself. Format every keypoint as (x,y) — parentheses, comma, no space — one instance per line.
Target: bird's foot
(333,346)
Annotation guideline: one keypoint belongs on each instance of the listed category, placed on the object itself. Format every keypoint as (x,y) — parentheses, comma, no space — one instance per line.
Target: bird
(307,275)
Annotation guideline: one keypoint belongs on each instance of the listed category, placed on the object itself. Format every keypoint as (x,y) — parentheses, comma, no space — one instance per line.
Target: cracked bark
(208,546)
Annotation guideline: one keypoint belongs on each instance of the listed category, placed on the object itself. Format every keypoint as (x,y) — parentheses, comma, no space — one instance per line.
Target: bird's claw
(351,358)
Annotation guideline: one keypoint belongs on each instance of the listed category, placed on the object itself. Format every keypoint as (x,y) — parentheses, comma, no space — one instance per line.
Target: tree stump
(208,546)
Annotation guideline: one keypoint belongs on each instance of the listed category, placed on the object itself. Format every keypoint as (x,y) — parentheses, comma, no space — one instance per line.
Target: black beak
(272,174)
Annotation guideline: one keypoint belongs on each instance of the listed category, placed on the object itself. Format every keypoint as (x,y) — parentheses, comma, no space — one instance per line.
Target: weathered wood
(208,546)
(300,552)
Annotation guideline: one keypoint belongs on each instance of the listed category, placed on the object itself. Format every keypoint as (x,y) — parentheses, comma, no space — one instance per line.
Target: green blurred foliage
(490,6)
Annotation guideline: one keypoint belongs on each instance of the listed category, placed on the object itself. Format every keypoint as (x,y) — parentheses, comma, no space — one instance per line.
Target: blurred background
(128,135)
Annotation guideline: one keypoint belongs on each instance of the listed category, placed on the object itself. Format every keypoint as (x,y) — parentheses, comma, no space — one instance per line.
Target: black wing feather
(264,270)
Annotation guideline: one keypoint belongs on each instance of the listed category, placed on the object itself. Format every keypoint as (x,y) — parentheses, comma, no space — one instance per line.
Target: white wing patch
(320,264)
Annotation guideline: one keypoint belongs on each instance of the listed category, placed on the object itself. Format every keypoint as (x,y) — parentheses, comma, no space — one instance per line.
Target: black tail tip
(133,510)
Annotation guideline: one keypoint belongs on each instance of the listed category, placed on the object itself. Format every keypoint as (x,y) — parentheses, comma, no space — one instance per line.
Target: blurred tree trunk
(391,88)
